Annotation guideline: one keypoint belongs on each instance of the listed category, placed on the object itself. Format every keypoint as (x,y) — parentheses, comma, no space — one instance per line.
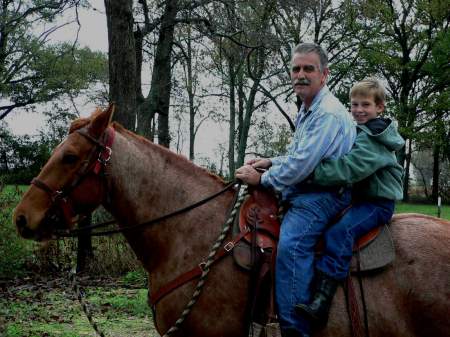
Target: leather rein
(96,163)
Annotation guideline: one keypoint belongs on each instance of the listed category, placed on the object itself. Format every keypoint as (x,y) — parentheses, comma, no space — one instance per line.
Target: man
(324,129)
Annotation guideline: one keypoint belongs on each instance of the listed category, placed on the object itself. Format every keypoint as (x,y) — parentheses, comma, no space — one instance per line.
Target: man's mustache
(302,81)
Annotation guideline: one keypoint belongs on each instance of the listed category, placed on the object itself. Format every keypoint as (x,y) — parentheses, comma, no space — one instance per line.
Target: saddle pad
(376,254)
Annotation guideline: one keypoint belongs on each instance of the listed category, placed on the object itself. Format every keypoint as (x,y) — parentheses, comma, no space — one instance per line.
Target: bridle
(95,163)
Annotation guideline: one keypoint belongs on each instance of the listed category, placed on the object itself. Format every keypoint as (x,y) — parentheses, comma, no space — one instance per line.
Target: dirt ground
(48,307)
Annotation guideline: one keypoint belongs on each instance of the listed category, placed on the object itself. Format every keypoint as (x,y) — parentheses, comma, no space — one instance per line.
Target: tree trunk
(232,130)
(122,61)
(246,123)
(4,162)
(190,92)
(435,186)
(84,250)
(407,167)
(158,100)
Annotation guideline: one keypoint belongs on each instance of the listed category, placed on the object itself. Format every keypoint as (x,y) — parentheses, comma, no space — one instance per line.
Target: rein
(76,232)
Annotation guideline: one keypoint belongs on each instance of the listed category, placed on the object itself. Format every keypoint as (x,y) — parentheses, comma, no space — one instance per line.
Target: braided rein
(79,292)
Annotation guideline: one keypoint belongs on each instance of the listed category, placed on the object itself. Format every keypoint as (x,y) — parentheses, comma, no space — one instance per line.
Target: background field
(423,209)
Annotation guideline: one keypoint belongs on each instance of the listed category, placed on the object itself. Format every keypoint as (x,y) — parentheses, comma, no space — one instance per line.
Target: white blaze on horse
(143,181)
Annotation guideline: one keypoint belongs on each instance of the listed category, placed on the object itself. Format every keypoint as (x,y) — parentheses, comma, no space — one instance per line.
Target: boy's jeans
(302,226)
(340,237)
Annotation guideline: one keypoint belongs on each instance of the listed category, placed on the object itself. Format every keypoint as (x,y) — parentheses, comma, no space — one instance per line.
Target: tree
(163,23)
(31,70)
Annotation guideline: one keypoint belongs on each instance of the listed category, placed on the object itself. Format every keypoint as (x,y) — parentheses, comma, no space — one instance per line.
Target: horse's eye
(69,159)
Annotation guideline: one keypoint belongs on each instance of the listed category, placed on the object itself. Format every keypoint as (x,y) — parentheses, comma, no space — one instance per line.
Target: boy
(372,167)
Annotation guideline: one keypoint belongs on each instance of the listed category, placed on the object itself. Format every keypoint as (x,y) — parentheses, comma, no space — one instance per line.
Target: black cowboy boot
(293,333)
(317,311)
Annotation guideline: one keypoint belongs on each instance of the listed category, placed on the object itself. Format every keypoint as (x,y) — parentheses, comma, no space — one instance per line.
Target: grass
(423,209)
(55,312)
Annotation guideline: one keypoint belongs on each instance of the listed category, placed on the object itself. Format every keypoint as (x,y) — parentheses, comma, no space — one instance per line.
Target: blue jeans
(302,226)
(340,237)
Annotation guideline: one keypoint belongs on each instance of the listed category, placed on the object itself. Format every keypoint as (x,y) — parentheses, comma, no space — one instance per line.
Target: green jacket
(371,165)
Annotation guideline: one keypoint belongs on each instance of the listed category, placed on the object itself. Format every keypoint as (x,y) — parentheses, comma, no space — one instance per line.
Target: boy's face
(364,108)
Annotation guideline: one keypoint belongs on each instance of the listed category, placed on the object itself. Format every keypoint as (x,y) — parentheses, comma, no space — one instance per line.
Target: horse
(142,181)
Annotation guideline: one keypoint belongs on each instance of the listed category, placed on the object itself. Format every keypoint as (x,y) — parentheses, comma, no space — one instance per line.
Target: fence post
(439,207)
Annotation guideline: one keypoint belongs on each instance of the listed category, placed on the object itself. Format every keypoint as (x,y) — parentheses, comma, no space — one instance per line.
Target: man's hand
(263,163)
(248,175)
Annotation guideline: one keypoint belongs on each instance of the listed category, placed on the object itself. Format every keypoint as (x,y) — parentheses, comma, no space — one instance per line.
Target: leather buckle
(229,246)
(202,265)
(105,155)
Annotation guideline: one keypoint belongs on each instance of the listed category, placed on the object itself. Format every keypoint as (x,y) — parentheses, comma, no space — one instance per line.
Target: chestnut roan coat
(144,181)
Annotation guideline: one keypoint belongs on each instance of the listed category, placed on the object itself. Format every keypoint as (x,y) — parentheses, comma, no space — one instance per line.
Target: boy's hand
(248,175)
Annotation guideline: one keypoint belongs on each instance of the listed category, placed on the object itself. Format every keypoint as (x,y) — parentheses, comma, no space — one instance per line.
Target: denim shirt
(326,130)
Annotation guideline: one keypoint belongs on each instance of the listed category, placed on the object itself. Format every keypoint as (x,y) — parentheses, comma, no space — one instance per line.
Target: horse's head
(69,184)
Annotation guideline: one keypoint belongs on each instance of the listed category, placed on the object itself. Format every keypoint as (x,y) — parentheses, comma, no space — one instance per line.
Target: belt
(312,188)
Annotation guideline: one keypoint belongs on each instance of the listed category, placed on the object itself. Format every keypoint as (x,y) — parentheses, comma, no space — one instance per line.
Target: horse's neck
(148,182)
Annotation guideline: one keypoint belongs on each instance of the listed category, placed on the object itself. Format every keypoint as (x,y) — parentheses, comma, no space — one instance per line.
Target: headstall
(96,163)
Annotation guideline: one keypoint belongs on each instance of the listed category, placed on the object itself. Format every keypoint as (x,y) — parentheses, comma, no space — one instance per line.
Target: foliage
(16,253)
(135,277)
(112,255)
(31,69)
(270,139)
(22,157)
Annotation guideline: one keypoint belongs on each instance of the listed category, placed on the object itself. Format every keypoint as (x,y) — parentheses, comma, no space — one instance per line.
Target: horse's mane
(174,158)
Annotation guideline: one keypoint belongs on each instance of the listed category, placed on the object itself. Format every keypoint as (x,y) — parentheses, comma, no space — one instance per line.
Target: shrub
(16,253)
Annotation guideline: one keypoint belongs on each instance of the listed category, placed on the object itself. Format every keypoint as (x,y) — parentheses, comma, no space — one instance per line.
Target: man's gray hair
(304,48)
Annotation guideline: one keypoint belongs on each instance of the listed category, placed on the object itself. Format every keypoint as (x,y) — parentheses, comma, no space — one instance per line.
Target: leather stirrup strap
(193,273)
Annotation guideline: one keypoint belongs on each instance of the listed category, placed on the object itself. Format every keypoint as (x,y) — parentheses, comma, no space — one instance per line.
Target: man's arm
(322,135)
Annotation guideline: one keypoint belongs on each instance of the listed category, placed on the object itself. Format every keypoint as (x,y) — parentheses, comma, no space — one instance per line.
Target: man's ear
(325,73)
(101,121)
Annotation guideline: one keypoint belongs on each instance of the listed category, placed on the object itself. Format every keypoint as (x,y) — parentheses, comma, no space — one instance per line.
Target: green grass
(423,209)
(54,312)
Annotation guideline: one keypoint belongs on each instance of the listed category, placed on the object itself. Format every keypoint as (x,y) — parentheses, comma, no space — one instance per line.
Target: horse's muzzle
(24,231)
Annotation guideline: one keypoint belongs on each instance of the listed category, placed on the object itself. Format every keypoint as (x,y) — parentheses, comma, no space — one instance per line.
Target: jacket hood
(389,137)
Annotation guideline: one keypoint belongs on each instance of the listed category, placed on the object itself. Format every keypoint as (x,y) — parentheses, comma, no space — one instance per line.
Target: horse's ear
(101,121)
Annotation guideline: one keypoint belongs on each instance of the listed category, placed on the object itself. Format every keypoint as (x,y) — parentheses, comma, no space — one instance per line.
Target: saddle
(259,224)
(258,217)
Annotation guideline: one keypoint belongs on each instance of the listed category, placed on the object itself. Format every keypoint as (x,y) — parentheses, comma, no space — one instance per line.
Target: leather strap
(193,273)
(353,309)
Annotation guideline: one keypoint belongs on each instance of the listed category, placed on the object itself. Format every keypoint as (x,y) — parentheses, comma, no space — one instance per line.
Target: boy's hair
(304,48)
(369,87)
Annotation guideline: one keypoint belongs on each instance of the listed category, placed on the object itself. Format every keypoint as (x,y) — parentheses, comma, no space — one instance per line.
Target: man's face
(364,108)
(306,76)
